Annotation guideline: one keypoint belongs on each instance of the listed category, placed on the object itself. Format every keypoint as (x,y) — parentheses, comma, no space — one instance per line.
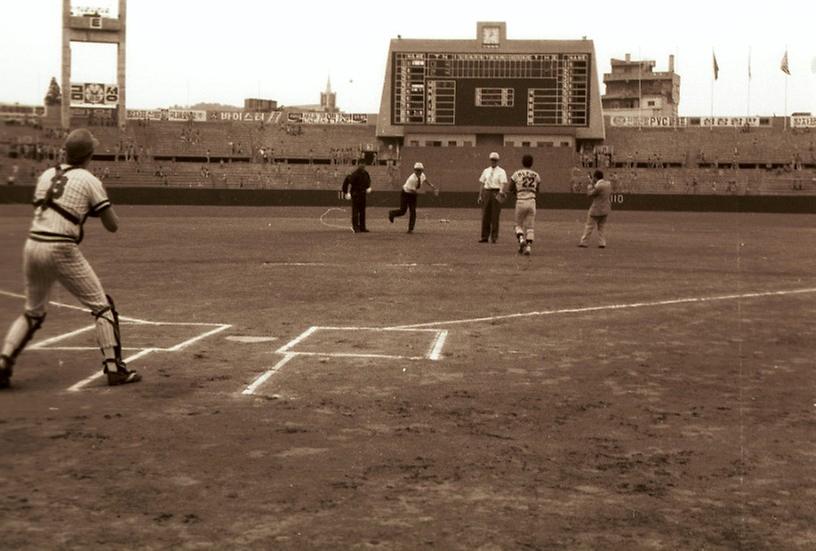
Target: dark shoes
(482,240)
(118,373)
(5,371)
(390,217)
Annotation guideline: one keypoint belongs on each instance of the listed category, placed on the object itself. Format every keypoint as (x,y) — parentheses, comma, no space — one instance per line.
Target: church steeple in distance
(328,99)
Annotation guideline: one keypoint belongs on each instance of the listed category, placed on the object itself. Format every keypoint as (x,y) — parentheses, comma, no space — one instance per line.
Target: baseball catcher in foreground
(65,196)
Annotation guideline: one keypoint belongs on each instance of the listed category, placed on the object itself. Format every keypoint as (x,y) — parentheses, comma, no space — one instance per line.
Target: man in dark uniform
(355,187)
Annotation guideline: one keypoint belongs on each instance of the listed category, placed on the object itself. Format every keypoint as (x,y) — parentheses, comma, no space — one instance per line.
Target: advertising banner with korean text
(94,95)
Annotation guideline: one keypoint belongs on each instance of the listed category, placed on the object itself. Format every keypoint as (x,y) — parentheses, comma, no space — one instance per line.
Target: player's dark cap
(527,161)
(79,145)
(598,175)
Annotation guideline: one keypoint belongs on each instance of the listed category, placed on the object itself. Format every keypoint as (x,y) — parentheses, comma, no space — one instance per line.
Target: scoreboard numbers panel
(474,89)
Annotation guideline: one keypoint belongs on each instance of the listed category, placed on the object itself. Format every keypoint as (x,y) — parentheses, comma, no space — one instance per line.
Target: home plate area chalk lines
(64,342)
(295,347)
(386,343)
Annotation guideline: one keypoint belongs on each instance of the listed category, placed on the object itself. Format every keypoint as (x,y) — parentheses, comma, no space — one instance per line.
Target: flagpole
(748,113)
(713,78)
(786,70)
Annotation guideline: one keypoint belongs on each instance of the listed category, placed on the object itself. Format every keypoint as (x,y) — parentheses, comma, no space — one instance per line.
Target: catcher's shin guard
(107,329)
(19,335)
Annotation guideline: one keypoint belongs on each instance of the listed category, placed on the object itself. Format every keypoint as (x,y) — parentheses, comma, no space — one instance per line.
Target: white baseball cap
(418,166)
(494,155)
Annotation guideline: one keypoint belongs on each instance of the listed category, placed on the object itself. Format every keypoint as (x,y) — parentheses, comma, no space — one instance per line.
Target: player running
(524,183)
(408,197)
(65,196)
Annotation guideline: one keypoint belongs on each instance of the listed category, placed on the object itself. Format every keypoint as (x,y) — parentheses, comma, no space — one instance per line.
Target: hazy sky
(187,51)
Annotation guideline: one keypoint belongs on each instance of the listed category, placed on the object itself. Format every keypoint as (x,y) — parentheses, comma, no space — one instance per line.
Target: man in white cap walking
(492,180)
(408,197)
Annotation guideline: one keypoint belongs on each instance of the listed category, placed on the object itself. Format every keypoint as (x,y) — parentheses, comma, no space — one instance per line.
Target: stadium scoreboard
(507,89)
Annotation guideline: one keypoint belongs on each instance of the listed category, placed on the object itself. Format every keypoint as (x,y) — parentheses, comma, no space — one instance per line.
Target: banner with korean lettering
(725,122)
(244,116)
(173,115)
(314,117)
(649,122)
(803,122)
(94,95)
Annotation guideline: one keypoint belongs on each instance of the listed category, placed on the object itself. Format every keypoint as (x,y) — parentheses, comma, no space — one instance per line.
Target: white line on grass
(690,300)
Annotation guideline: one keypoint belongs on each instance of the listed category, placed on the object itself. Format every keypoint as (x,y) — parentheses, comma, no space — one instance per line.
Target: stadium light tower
(92,25)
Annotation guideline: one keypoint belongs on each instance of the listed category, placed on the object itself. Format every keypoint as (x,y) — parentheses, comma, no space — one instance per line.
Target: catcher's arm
(109,219)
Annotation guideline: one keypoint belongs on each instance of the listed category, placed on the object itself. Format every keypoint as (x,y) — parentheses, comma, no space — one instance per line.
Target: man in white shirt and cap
(408,197)
(492,180)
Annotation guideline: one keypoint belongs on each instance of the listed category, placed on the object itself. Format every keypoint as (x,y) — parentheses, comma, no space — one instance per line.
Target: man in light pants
(600,190)
(65,196)
(524,183)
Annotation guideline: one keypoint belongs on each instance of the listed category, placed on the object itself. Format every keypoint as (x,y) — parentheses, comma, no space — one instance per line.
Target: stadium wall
(459,168)
(460,199)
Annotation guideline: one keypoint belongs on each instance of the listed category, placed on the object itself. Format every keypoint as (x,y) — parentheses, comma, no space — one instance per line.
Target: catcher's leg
(110,342)
(18,336)
(76,275)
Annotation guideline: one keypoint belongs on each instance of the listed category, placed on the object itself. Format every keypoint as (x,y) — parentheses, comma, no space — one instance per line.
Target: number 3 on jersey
(57,186)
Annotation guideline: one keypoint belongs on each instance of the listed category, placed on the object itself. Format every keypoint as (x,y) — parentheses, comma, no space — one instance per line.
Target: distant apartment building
(633,89)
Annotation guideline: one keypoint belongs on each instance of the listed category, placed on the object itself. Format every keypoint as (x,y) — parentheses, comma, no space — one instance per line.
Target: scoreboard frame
(557,87)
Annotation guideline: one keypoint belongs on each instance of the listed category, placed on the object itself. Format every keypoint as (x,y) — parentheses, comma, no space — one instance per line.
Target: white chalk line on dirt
(322,216)
(44,344)
(81,384)
(83,309)
(433,353)
(145,351)
(285,264)
(267,374)
(607,307)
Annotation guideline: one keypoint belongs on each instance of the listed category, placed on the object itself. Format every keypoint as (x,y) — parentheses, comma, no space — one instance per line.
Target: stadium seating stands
(768,160)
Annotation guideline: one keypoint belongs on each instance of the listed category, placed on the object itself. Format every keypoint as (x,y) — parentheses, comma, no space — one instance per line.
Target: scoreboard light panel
(466,89)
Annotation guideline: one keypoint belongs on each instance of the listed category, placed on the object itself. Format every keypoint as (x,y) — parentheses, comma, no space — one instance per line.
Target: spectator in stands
(12,177)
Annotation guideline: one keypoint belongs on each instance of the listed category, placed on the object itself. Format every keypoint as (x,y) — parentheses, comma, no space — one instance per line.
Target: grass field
(310,388)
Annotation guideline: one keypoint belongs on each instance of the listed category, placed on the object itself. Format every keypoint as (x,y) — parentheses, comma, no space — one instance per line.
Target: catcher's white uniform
(65,196)
(64,199)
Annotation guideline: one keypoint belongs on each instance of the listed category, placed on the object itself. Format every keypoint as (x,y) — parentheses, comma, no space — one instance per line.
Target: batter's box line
(216,328)
(141,352)
(434,352)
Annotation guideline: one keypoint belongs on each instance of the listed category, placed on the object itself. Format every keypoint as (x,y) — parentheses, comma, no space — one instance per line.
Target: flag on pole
(784,65)
(716,67)
(749,63)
